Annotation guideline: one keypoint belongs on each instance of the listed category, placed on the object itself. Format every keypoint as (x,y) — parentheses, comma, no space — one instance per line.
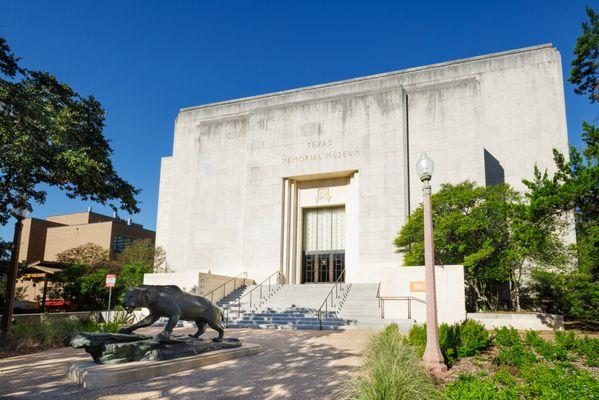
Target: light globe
(424,166)
(20,212)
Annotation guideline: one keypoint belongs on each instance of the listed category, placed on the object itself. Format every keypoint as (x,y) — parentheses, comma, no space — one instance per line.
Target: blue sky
(143,60)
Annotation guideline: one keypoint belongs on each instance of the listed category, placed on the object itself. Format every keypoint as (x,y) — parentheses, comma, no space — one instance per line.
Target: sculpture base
(94,376)
(117,348)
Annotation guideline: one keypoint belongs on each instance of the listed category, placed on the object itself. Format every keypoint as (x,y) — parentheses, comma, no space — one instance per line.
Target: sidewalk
(294,365)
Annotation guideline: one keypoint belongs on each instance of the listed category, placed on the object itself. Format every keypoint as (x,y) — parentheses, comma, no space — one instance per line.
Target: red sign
(110,280)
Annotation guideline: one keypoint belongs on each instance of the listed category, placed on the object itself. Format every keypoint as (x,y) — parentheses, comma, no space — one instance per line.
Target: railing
(409,299)
(259,289)
(337,289)
(224,285)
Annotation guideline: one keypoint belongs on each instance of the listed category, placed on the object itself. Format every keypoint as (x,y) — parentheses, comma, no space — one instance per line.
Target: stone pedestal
(93,376)
(116,348)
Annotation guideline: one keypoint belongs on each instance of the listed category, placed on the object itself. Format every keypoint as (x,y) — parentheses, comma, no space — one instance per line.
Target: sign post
(110,282)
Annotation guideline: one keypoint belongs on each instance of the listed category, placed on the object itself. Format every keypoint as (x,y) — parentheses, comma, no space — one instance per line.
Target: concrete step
(296,307)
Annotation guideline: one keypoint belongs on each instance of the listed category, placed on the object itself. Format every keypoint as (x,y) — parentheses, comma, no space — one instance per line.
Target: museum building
(316,182)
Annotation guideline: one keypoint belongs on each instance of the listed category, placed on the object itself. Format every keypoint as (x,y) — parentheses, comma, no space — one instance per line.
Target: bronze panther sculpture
(171,302)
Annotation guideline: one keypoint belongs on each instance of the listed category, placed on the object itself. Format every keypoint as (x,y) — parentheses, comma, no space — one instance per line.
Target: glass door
(323,256)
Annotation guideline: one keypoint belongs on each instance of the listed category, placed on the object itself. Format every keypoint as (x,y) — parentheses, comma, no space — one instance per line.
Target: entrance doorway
(323,255)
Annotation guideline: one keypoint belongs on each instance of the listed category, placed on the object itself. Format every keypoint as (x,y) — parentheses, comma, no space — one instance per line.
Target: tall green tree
(586,61)
(51,135)
(490,231)
(573,192)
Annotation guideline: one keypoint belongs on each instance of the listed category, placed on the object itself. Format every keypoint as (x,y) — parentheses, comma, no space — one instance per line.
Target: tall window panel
(310,229)
(337,228)
(324,229)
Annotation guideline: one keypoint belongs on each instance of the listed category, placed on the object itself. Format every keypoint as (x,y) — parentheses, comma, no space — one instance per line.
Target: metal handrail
(409,299)
(237,303)
(211,293)
(325,303)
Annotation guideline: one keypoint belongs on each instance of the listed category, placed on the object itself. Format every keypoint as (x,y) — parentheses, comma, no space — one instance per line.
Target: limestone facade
(242,172)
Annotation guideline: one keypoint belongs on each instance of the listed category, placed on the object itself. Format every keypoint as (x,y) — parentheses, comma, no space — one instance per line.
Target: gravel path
(294,365)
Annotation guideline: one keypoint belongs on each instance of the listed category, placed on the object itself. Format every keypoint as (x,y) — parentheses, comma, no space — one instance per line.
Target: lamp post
(11,281)
(433,358)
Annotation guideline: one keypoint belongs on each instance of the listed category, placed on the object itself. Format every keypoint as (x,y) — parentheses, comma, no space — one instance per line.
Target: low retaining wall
(198,282)
(403,282)
(520,321)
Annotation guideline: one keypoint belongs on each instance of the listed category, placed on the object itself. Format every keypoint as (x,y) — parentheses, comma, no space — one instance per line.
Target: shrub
(507,337)
(479,386)
(561,381)
(541,381)
(449,341)
(456,340)
(588,348)
(511,349)
(52,333)
(547,350)
(474,338)
(564,339)
(390,370)
(515,355)
(417,338)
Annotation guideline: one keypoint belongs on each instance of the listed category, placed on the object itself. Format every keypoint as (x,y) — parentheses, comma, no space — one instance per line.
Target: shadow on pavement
(293,365)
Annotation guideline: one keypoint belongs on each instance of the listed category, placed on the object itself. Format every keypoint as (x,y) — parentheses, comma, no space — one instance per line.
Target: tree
(82,282)
(51,135)
(143,252)
(573,190)
(5,252)
(87,254)
(490,232)
(83,286)
(4,262)
(586,62)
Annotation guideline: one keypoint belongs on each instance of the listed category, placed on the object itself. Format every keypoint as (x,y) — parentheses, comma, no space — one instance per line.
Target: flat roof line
(369,77)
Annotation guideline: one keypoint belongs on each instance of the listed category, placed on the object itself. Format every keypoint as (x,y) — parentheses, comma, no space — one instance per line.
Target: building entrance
(323,255)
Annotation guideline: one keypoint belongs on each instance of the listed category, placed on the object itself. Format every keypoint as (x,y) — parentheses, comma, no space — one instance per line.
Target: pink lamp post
(433,358)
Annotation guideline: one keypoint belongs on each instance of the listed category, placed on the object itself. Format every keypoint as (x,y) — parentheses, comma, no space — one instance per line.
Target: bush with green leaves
(549,351)
(417,338)
(474,338)
(52,332)
(540,381)
(82,283)
(511,349)
(390,370)
(449,341)
(586,347)
(558,381)
(501,386)
(507,337)
(589,348)
(457,340)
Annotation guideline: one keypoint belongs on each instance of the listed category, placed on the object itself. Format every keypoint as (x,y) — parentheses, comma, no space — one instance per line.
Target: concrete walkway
(294,365)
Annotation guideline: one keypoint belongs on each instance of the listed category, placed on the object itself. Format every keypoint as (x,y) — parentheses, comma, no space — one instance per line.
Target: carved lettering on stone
(325,153)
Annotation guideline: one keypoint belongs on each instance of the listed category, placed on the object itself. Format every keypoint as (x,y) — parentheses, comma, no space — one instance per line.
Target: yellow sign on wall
(418,286)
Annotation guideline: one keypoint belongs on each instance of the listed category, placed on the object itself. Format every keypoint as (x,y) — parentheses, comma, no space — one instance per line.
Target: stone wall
(400,283)
(488,119)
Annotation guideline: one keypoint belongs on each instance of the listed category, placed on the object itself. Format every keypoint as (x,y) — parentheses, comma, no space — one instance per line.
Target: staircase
(231,297)
(290,307)
(296,307)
